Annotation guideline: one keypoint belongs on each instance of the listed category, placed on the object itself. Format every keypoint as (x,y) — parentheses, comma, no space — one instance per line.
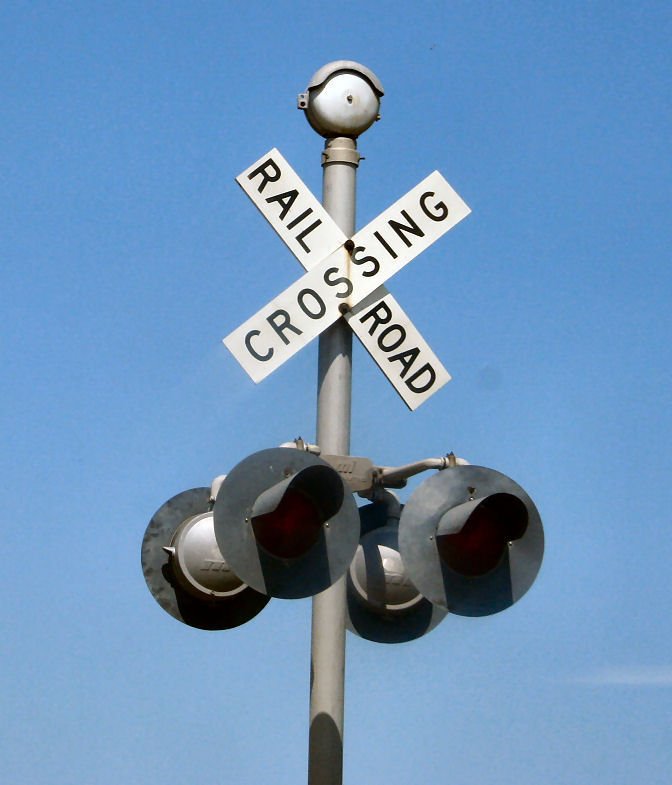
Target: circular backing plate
(467,596)
(307,575)
(219,614)
(376,624)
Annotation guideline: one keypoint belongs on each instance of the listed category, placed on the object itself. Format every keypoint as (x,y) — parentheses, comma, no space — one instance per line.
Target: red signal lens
(483,539)
(291,529)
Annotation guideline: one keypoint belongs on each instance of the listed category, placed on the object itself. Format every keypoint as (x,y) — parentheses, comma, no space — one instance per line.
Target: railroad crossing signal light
(471,540)
(185,570)
(383,604)
(287,522)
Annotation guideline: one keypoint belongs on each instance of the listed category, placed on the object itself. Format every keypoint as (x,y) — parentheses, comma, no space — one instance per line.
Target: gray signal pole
(334,387)
(341,102)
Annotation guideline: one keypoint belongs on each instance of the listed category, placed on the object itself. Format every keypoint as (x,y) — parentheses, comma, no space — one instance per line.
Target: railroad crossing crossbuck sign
(344,277)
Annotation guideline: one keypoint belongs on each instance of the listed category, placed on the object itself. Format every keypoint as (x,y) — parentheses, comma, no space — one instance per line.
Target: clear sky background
(127,251)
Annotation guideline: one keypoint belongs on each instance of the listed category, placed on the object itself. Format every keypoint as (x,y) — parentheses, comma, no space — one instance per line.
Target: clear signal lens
(378,576)
(198,563)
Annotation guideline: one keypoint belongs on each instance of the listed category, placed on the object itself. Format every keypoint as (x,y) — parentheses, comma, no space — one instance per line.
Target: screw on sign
(345,277)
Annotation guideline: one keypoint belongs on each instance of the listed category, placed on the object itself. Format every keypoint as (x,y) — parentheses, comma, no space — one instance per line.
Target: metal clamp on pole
(340,151)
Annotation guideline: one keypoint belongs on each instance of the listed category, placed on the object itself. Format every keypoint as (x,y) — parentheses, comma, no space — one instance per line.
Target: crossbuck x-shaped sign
(344,277)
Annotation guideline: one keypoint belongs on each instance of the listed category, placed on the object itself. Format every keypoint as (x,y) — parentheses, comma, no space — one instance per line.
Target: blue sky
(127,252)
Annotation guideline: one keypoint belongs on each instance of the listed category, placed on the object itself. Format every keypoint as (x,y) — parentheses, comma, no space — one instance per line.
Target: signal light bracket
(363,476)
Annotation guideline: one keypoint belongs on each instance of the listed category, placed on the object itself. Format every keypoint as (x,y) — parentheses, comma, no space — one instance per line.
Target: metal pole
(327,675)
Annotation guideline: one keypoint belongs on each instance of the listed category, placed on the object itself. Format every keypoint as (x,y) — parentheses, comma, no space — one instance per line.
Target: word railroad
(345,276)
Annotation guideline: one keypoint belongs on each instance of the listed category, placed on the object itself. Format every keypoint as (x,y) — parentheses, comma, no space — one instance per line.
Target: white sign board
(343,280)
(383,328)
(291,209)
(399,350)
